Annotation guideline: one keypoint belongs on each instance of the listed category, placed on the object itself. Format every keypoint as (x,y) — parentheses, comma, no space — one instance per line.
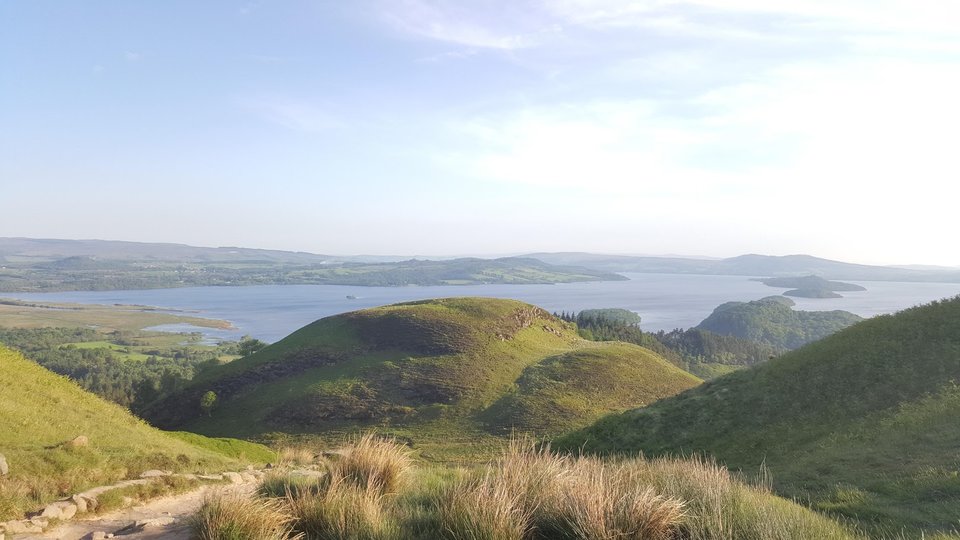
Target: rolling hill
(861,423)
(40,411)
(773,321)
(432,370)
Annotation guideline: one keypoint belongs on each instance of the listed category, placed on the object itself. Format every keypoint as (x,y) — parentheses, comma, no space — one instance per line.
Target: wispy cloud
(131,56)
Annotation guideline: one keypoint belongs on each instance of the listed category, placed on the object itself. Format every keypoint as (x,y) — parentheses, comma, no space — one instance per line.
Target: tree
(208,401)
(249,345)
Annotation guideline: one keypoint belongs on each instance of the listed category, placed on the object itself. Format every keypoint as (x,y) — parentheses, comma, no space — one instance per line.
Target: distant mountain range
(752,265)
(92,255)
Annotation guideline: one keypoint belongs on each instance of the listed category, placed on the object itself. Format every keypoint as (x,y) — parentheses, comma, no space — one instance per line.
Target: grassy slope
(40,410)
(440,370)
(772,321)
(861,423)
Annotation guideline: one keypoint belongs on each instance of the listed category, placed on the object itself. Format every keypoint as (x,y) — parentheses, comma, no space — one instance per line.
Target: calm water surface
(664,301)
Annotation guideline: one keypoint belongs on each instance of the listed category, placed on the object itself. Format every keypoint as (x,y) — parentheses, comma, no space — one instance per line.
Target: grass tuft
(374,463)
(234,517)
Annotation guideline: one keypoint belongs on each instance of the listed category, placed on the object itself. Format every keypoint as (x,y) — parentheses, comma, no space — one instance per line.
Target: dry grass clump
(375,463)
(532,493)
(598,501)
(484,509)
(234,517)
(296,455)
(284,485)
(349,501)
(343,511)
(719,507)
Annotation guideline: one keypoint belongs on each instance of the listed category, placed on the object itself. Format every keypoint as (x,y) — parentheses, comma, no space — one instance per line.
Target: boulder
(59,510)
(80,441)
(211,477)
(43,523)
(82,507)
(4,468)
(97,535)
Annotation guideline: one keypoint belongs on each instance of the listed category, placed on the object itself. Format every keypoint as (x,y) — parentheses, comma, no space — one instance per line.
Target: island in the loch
(810,286)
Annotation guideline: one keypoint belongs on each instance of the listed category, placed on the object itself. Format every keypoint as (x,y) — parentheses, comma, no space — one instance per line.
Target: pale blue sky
(708,127)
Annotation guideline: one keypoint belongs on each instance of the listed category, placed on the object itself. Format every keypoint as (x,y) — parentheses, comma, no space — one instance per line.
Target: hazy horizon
(710,128)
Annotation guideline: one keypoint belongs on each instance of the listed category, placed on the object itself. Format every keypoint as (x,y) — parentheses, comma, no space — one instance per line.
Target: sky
(706,127)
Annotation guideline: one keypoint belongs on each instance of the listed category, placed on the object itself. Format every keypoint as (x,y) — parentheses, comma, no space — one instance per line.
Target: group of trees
(687,349)
(113,375)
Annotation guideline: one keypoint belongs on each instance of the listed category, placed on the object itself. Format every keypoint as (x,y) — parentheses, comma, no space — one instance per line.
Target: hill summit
(427,369)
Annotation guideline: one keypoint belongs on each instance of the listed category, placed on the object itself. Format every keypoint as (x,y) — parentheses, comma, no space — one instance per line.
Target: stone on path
(59,510)
(4,468)
(154,473)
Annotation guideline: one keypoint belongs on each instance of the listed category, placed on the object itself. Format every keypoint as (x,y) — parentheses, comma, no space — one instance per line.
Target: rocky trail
(165,517)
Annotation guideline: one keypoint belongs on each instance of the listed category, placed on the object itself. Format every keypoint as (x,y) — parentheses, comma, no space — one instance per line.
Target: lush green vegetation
(374,492)
(126,367)
(705,354)
(41,412)
(85,273)
(860,424)
(708,355)
(446,374)
(773,322)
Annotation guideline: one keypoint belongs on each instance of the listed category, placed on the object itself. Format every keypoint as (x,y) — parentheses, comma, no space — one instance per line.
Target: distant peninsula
(810,286)
(61,265)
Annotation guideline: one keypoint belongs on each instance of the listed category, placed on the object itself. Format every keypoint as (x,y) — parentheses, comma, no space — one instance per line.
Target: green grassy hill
(862,423)
(774,322)
(458,369)
(39,411)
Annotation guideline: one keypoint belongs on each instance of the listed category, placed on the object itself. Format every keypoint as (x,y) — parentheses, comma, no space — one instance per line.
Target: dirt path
(172,513)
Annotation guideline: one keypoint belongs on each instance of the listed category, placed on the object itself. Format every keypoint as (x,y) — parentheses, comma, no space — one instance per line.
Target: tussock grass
(532,493)
(343,511)
(234,517)
(373,463)
(296,455)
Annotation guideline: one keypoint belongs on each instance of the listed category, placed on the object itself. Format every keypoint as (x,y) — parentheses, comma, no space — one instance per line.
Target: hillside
(39,411)
(862,423)
(430,370)
(773,321)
